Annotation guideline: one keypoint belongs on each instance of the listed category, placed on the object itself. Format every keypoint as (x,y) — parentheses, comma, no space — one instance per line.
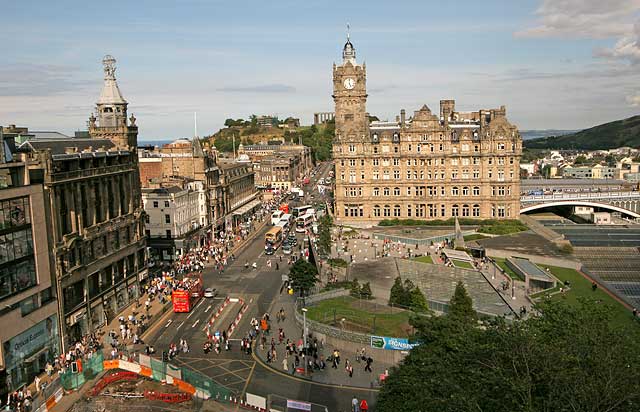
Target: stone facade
(429,166)
(278,166)
(176,219)
(238,191)
(94,214)
(29,334)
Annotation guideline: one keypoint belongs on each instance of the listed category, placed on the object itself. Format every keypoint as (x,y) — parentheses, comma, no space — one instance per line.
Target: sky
(561,64)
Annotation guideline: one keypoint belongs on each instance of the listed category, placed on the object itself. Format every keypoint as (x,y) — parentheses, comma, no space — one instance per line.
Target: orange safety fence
(167,397)
(184,386)
(114,377)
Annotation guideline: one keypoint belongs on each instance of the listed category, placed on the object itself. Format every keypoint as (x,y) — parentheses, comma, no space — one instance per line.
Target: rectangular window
(29,304)
(155,203)
(168,232)
(166,203)
(167,219)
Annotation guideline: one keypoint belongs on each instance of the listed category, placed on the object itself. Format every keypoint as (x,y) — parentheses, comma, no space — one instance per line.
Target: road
(258,288)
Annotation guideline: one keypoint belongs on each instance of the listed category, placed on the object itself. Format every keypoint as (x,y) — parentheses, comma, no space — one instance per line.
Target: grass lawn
(423,259)
(462,264)
(503,265)
(360,315)
(581,288)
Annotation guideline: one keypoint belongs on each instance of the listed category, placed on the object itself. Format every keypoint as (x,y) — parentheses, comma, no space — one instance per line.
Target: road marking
(194,309)
(207,309)
(180,325)
(194,325)
(168,323)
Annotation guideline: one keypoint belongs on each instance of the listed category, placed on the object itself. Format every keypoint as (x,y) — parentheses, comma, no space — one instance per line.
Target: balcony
(84,173)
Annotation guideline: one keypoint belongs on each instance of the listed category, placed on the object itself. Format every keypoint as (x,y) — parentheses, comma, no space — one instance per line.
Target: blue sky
(553,63)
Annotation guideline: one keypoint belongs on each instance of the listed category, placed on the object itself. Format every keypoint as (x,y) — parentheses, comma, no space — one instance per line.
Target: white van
(276,216)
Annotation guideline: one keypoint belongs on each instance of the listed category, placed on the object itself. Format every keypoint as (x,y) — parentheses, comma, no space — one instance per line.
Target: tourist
(355,405)
(369,361)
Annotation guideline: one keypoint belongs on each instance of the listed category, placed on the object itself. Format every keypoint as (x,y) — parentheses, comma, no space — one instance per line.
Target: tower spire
(349,52)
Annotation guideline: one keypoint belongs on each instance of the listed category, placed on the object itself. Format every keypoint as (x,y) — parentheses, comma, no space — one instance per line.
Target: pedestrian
(355,405)
(285,364)
(348,368)
(37,382)
(364,407)
(369,362)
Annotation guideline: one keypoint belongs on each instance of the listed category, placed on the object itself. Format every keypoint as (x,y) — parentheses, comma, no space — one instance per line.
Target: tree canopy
(569,358)
(303,275)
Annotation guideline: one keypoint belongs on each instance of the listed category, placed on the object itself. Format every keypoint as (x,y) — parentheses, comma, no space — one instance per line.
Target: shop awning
(246,208)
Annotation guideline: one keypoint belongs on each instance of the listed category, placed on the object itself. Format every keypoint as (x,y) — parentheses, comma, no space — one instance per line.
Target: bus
(185,297)
(273,238)
(304,222)
(276,216)
(299,211)
(286,218)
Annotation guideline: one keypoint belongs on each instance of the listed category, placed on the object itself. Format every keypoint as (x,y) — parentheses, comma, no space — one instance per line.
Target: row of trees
(360,291)
(324,234)
(407,295)
(568,358)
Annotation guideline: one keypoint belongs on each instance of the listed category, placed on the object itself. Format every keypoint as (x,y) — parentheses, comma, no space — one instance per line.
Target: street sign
(301,406)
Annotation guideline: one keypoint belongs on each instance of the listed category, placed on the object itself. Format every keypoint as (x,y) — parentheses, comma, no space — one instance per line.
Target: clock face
(349,83)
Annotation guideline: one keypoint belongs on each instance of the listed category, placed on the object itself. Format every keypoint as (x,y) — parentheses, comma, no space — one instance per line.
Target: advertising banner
(30,341)
(382,342)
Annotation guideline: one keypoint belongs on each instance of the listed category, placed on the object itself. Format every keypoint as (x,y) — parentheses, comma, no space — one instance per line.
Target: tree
(365,291)
(324,235)
(406,293)
(397,292)
(461,305)
(580,160)
(303,276)
(567,358)
(418,301)
(355,288)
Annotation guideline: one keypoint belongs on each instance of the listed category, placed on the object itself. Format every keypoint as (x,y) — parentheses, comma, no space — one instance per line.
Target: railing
(581,196)
(96,171)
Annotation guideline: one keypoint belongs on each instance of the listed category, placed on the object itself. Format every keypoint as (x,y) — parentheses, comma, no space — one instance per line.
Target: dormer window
(396,137)
(375,138)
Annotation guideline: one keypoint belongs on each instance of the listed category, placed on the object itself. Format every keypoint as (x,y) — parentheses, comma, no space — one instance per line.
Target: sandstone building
(428,166)
(28,315)
(94,214)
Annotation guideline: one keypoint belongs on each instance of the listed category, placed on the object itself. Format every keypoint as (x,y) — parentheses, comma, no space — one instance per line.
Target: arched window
(387,210)
(396,211)
(376,211)
(476,191)
(476,211)
(376,191)
(396,191)
(455,191)
(385,191)
(465,210)
(455,210)
(465,191)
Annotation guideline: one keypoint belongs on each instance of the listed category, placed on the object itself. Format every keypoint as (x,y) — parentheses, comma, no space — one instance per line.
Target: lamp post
(304,338)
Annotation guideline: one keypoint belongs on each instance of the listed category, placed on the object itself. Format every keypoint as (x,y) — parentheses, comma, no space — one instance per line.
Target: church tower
(350,97)
(112,122)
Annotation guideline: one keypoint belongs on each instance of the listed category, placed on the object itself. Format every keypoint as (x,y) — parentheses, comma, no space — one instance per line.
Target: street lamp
(304,338)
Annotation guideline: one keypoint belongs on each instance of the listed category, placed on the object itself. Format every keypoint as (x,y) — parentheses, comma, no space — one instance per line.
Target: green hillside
(624,132)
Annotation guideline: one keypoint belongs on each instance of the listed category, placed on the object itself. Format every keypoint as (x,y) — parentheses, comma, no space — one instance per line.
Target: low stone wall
(542,260)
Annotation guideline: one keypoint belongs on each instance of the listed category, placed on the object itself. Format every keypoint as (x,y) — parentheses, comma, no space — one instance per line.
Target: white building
(175,219)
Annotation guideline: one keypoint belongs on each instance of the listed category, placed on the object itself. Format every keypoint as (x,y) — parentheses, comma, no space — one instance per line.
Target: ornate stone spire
(348,52)
(110,91)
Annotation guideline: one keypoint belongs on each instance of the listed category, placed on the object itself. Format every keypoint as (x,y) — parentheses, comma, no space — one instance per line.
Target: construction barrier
(51,402)
(207,328)
(114,377)
(83,371)
(235,323)
(167,397)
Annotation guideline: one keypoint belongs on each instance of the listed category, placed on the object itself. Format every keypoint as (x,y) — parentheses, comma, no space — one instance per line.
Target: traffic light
(165,356)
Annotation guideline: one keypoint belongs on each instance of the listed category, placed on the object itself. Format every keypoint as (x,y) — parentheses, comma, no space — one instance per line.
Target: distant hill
(536,134)
(610,135)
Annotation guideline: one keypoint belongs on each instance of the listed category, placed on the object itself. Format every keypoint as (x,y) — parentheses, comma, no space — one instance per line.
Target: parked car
(209,293)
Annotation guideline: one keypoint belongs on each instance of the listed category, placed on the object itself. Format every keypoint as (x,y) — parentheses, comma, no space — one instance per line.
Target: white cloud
(626,48)
(634,101)
(593,19)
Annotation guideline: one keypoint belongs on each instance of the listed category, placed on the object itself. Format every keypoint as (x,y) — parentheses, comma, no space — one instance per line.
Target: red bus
(188,294)
(284,208)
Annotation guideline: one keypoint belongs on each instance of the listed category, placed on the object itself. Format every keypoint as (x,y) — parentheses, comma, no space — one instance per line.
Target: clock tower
(350,97)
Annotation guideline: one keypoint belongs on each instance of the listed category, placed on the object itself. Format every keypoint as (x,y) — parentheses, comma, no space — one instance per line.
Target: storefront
(26,354)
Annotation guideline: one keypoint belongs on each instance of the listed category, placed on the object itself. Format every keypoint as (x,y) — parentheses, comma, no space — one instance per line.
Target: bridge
(624,202)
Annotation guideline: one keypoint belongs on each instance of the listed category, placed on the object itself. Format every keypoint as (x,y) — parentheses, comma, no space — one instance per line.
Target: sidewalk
(329,375)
